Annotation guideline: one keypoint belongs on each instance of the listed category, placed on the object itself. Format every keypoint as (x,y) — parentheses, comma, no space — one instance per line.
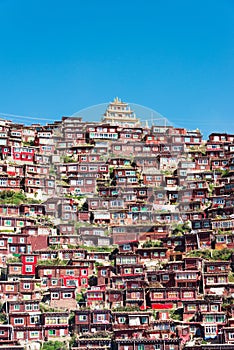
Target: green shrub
(54,345)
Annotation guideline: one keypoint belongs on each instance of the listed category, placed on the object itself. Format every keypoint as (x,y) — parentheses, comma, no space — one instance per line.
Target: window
(158,295)
(203,307)
(17,307)
(121,319)
(222,279)
(28,268)
(188,294)
(83,317)
(220,318)
(210,280)
(20,335)
(138,270)
(144,319)
(55,295)
(26,286)
(3,182)
(28,307)
(140,347)
(71,283)
(135,295)
(67,295)
(7,222)
(101,317)
(192,307)
(21,238)
(210,329)
(52,332)
(9,288)
(172,295)
(18,321)
(34,319)
(209,318)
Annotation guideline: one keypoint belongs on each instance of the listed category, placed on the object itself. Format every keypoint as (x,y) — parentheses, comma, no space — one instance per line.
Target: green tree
(68,159)
(150,244)
(54,345)
(177,314)
(16,198)
(180,229)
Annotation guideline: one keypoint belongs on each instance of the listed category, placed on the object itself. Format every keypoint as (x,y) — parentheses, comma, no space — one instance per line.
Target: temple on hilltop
(120,113)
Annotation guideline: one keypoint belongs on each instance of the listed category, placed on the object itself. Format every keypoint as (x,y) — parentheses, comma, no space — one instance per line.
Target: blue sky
(176,57)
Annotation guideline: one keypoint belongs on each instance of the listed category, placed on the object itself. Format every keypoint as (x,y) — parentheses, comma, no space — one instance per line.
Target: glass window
(29,268)
(18,321)
(20,335)
(165,277)
(140,347)
(83,317)
(67,295)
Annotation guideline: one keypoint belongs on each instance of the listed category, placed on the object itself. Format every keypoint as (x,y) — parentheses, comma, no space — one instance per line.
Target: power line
(24,117)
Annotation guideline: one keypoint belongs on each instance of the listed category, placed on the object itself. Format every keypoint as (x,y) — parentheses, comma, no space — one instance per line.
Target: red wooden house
(202,163)
(29,288)
(14,270)
(55,325)
(153,253)
(193,309)
(9,290)
(70,274)
(62,297)
(21,306)
(10,182)
(148,343)
(114,298)
(127,324)
(29,262)
(24,154)
(82,321)
(5,333)
(95,296)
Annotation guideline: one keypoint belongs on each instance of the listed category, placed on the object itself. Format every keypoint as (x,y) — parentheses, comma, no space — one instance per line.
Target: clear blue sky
(176,57)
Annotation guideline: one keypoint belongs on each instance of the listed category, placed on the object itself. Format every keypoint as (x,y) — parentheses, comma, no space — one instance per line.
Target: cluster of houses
(115,235)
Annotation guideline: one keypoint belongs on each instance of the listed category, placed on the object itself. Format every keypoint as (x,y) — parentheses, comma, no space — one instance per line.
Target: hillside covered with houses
(115,235)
